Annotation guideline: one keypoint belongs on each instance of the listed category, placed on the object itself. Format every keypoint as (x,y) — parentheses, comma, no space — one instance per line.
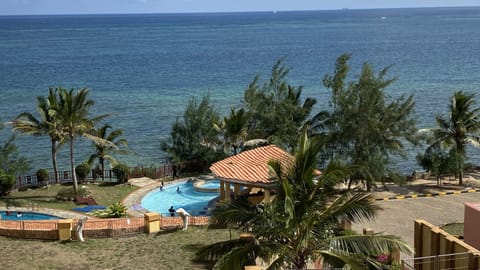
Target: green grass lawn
(455,229)
(164,250)
(173,250)
(104,194)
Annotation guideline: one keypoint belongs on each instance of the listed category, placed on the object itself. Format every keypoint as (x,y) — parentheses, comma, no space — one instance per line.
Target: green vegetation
(104,152)
(460,128)
(47,124)
(363,128)
(72,114)
(303,222)
(162,251)
(275,109)
(121,172)
(193,138)
(11,164)
(104,194)
(455,229)
(42,176)
(82,171)
(115,210)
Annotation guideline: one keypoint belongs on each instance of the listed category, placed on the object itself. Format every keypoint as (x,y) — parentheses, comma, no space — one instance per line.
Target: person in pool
(172,211)
(178,190)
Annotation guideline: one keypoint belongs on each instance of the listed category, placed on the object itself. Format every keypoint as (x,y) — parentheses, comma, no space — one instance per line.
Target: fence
(65,176)
(93,228)
(457,261)
(436,249)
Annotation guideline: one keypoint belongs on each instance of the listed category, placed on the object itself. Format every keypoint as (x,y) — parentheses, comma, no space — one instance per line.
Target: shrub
(121,172)
(82,171)
(7,181)
(115,210)
(42,176)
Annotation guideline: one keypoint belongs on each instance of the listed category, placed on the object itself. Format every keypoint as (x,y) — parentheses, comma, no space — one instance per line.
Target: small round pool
(194,202)
(211,184)
(16,215)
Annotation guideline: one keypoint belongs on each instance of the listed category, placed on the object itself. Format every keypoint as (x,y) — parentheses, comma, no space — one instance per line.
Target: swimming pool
(15,215)
(194,202)
(211,184)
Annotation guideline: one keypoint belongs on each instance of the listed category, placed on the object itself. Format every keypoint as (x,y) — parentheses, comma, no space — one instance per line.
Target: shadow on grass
(168,230)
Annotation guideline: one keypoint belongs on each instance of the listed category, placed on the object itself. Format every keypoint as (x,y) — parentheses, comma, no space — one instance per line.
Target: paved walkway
(397,216)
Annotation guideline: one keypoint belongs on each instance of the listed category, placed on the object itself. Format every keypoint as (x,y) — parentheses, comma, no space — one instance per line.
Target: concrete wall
(471,229)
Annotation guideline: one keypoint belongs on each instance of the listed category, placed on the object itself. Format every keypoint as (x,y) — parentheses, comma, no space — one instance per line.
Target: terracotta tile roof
(252,166)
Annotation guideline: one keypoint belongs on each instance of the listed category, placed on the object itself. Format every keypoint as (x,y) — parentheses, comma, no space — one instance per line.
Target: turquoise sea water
(144,68)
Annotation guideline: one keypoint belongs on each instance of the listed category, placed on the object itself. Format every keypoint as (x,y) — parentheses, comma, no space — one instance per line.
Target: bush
(82,171)
(69,194)
(115,210)
(121,172)
(7,181)
(42,176)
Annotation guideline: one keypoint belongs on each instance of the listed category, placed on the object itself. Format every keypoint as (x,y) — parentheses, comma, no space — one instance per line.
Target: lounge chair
(85,200)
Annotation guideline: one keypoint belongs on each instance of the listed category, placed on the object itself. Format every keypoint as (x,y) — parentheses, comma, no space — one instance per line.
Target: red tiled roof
(252,165)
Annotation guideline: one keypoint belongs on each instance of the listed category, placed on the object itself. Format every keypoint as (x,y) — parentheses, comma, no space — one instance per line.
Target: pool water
(194,202)
(15,215)
(211,184)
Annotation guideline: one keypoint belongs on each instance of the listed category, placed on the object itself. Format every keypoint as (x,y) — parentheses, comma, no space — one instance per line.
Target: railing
(65,176)
(455,261)
(94,228)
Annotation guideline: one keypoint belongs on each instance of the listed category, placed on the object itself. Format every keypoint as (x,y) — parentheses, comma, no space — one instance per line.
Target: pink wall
(471,227)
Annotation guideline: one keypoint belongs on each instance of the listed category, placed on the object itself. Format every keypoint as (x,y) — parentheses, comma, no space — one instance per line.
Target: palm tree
(26,123)
(233,128)
(105,151)
(461,128)
(72,112)
(302,223)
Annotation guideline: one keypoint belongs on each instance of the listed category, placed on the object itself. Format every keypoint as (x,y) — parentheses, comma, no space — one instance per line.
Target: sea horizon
(234,12)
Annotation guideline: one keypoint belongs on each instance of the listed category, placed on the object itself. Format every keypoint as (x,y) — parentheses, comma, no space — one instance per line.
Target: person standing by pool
(172,211)
(174,171)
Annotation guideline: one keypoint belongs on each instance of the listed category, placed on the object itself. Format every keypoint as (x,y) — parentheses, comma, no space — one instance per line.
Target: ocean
(144,68)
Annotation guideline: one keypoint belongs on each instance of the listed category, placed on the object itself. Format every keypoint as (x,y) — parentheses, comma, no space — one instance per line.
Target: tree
(234,129)
(105,151)
(28,124)
(73,115)
(194,138)
(461,128)
(11,164)
(275,109)
(364,128)
(302,223)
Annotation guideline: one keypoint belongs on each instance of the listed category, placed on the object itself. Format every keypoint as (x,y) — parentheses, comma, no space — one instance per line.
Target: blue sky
(15,7)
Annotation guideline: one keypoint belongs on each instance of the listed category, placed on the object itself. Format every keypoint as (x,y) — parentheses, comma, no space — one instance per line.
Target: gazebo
(249,170)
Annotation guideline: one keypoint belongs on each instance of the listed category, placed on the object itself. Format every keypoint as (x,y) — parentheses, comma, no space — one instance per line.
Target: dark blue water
(144,68)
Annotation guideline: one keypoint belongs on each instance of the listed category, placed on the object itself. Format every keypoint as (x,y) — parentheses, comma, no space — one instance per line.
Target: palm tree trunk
(460,174)
(102,165)
(54,160)
(72,163)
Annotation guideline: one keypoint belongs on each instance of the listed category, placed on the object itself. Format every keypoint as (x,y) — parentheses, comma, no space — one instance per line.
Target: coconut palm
(462,127)
(72,112)
(105,151)
(26,123)
(233,128)
(302,223)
